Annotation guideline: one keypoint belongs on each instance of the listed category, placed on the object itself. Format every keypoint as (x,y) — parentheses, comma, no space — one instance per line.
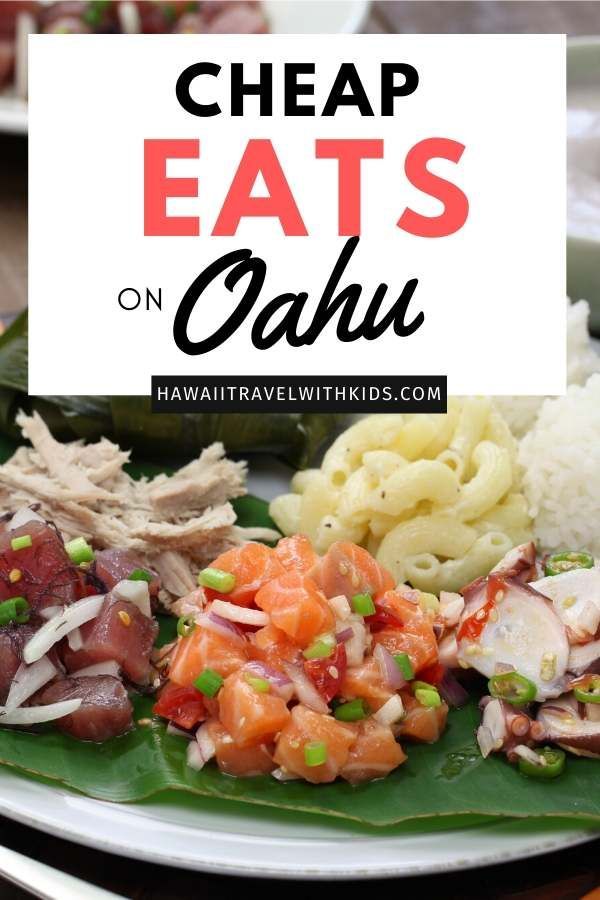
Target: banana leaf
(295,437)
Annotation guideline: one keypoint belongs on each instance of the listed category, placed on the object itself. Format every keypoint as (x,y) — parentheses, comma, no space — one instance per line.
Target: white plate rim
(135,834)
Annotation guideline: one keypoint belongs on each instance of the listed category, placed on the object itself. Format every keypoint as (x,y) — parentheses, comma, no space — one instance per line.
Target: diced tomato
(432,674)
(328,674)
(383,617)
(183,706)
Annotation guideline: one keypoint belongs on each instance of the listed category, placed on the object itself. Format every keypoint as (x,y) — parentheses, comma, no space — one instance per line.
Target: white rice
(561,459)
(582,361)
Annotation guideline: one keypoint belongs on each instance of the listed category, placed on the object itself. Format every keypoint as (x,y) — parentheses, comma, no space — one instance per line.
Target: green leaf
(446,779)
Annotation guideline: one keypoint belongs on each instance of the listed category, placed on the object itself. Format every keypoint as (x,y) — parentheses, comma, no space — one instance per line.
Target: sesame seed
(569,601)
(473,650)
(144,721)
(480,614)
(14,575)
(333,671)
(125,618)
(499,596)
(294,744)
(343,569)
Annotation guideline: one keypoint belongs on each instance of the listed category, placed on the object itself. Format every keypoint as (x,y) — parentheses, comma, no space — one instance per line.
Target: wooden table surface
(567,875)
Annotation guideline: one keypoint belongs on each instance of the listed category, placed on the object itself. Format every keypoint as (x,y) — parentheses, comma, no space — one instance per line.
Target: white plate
(211,836)
(285,17)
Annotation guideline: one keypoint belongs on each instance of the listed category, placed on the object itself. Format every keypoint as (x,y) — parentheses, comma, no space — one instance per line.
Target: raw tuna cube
(12,640)
(105,711)
(112,566)
(120,632)
(42,572)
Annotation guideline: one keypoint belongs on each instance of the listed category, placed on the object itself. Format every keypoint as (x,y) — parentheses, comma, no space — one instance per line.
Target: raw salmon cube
(242,762)
(307,726)
(374,754)
(297,607)
(204,649)
(250,717)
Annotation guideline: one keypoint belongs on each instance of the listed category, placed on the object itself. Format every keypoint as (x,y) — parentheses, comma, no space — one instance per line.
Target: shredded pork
(176,523)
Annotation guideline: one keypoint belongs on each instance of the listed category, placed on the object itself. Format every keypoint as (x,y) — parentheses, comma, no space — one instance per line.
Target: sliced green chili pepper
(588,689)
(185,625)
(512,687)
(552,764)
(565,562)
(14,610)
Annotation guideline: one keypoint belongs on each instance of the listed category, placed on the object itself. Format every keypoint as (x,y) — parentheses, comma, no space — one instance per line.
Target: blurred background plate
(583,225)
(293,17)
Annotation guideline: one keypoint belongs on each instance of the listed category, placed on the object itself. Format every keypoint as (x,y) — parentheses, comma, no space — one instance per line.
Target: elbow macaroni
(435,497)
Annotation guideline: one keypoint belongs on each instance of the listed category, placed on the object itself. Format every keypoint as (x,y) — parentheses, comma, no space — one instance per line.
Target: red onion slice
(345,635)
(452,691)
(280,682)
(306,692)
(390,673)
(213,622)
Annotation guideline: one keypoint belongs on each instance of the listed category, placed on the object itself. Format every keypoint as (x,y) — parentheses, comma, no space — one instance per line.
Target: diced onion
(494,720)
(234,613)
(194,757)
(28,680)
(71,617)
(205,743)
(451,607)
(129,17)
(135,592)
(35,715)
(110,667)
(75,640)
(22,516)
(340,606)
(357,645)
(306,692)
(178,732)
(485,740)
(389,670)
(448,652)
(391,711)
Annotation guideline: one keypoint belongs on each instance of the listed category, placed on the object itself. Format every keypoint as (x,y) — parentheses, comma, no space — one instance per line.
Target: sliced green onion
(79,551)
(217,580)
(140,575)
(403,662)
(565,562)
(513,688)
(353,711)
(321,648)
(428,697)
(208,683)
(422,685)
(552,764)
(185,625)
(588,689)
(20,543)
(315,753)
(363,605)
(14,610)
(260,685)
